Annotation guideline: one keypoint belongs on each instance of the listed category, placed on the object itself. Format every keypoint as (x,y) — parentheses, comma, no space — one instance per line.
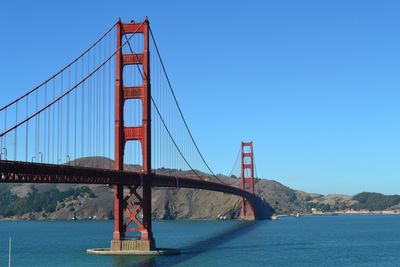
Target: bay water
(344,240)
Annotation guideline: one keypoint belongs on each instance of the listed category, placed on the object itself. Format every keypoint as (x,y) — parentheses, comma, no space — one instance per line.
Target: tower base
(156,252)
(133,245)
(248,218)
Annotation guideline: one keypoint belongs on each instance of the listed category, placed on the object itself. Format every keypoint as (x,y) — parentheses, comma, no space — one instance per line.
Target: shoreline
(274,217)
(363,212)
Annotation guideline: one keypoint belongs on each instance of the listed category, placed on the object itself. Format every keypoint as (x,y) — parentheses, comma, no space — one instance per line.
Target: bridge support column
(132,205)
(247,179)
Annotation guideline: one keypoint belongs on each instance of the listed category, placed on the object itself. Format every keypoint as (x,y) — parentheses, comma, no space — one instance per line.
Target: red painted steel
(30,172)
(247,178)
(129,206)
(123,204)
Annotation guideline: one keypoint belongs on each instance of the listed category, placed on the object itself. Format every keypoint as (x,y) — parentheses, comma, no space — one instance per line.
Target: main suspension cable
(172,139)
(179,108)
(143,76)
(236,161)
(60,71)
(68,91)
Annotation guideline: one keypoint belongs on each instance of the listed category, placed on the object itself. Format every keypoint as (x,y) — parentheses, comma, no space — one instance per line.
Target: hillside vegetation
(36,201)
(375,201)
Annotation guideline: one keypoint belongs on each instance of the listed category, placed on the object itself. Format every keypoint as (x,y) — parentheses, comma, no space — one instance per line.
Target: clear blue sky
(315,84)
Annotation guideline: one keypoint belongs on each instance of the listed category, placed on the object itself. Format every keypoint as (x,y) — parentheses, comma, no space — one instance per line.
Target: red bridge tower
(129,206)
(247,178)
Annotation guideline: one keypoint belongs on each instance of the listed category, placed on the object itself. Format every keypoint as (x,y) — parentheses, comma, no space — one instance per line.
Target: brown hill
(172,203)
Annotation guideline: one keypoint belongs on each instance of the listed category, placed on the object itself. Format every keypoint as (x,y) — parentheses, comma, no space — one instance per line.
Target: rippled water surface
(347,240)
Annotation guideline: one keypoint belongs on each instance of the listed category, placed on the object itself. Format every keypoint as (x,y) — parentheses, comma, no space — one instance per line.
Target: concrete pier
(156,252)
(133,247)
(132,244)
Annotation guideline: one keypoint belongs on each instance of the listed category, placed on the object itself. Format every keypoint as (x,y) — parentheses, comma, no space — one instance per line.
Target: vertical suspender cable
(15,133)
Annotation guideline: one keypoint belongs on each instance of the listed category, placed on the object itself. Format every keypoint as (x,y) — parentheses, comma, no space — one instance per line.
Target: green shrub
(37,202)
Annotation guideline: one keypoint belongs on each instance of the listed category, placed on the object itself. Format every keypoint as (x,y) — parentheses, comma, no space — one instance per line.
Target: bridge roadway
(29,172)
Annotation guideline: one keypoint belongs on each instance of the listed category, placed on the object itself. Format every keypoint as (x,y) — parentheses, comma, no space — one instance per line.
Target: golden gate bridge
(115,100)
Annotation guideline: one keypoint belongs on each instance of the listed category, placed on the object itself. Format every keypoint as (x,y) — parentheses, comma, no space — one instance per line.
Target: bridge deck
(27,172)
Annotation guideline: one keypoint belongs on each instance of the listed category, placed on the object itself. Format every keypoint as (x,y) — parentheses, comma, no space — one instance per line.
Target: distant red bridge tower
(247,178)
